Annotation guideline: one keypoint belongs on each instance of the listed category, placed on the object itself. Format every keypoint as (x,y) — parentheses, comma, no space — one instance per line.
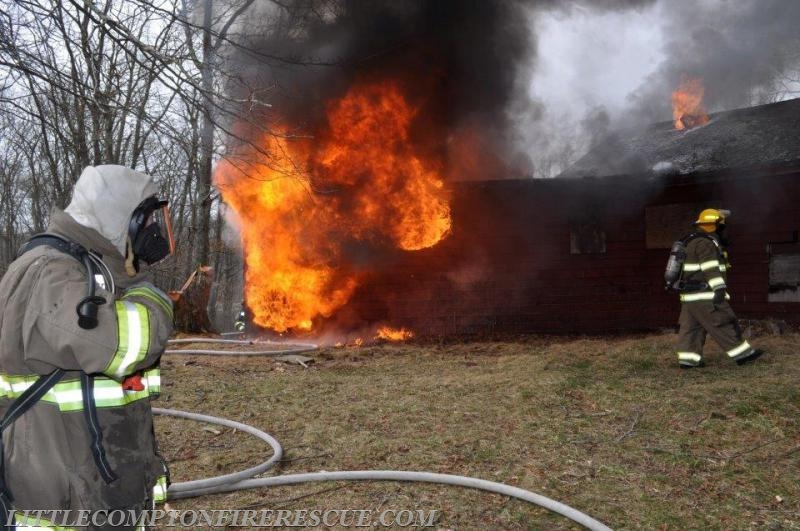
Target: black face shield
(150,231)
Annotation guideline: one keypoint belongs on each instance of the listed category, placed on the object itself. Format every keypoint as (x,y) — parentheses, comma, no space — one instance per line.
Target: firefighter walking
(704,299)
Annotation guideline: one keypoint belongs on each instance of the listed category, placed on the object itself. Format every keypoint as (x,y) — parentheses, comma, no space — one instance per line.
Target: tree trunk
(206,142)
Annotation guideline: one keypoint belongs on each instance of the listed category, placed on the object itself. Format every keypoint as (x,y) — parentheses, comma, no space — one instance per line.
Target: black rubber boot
(753,356)
(685,365)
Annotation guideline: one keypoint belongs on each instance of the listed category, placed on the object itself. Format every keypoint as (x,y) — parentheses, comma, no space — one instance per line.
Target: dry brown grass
(609,426)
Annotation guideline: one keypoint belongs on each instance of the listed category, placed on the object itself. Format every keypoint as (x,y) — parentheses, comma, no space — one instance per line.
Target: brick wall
(507,266)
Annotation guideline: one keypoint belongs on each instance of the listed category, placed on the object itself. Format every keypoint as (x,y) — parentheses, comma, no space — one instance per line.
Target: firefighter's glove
(719,297)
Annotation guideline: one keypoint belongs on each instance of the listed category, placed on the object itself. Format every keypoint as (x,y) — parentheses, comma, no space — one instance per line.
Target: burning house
(581,253)
(398,207)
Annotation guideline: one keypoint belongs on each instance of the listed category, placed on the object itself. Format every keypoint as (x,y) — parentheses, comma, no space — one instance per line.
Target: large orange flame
(371,185)
(687,104)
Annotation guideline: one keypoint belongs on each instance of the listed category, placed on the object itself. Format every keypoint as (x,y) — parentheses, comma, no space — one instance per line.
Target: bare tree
(142,83)
(77,94)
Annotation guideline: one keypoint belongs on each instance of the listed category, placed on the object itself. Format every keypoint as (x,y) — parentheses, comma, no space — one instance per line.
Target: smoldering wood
(192,301)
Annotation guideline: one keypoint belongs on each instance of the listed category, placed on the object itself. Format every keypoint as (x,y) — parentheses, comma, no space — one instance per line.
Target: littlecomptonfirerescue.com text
(230,518)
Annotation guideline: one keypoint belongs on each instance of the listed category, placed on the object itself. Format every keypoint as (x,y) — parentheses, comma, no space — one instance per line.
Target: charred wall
(570,256)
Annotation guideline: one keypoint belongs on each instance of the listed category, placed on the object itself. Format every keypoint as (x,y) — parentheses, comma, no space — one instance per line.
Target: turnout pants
(699,318)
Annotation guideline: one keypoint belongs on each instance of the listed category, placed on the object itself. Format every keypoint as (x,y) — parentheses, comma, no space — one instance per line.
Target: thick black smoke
(457,60)
(466,63)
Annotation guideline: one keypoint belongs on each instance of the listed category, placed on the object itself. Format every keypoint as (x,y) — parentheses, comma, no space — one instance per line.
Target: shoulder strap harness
(42,385)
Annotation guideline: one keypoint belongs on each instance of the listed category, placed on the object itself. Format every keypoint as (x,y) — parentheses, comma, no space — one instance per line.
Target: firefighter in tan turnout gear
(704,297)
(81,334)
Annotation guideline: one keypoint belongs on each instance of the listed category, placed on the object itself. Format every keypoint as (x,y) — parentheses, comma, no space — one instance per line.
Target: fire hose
(245,479)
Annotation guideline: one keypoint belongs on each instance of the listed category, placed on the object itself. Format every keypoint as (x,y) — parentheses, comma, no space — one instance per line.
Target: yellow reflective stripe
(152,380)
(110,395)
(160,490)
(702,296)
(689,356)
(693,268)
(150,295)
(709,265)
(67,395)
(32,522)
(740,349)
(16,384)
(134,338)
(716,282)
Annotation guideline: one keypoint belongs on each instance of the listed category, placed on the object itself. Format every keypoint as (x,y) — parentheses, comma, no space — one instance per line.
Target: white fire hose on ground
(245,479)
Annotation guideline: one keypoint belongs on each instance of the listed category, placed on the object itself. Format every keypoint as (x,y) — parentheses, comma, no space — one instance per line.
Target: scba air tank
(677,255)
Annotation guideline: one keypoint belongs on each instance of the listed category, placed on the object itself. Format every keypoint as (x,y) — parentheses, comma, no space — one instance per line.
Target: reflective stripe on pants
(702,317)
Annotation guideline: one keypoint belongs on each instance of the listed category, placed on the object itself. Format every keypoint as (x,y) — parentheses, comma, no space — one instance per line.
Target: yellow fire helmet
(712,215)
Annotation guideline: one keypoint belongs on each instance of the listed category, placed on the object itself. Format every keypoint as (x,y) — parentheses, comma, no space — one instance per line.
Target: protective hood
(104,198)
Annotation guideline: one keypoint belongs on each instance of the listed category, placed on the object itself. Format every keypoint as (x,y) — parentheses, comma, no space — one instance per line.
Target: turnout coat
(49,462)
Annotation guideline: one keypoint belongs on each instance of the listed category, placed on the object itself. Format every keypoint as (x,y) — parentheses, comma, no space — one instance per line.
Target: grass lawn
(609,426)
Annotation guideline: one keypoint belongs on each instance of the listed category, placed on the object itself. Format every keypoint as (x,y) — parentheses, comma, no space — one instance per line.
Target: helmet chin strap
(130,268)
